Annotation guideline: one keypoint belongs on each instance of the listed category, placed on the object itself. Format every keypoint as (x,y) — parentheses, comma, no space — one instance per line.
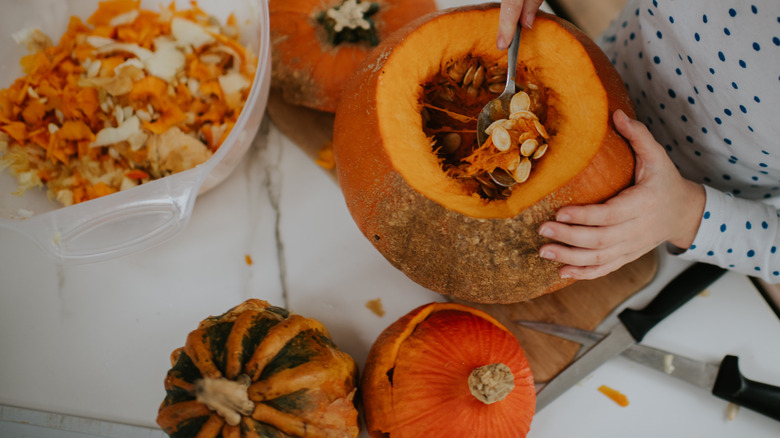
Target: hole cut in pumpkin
(517,137)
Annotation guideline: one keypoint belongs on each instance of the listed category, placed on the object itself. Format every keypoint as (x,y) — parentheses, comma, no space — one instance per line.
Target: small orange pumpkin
(443,369)
(317,44)
(409,166)
(259,370)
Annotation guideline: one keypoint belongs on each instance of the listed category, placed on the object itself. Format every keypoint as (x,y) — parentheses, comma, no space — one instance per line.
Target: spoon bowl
(498,108)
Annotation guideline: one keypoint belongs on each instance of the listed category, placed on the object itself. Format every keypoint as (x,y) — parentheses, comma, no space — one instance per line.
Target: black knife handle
(682,288)
(732,386)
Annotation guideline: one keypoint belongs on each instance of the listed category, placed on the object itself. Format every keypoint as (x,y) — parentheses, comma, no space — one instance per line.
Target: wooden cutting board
(584,304)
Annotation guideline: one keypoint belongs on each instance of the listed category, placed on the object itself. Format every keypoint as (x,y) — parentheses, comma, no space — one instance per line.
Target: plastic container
(147,215)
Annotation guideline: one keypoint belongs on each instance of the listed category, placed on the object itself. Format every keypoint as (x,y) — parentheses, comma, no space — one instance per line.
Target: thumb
(642,141)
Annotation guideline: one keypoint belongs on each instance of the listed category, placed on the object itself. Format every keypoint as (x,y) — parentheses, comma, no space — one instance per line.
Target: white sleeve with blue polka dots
(704,76)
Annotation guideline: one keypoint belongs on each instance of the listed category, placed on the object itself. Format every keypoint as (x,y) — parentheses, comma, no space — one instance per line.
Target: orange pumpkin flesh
(416,379)
(309,67)
(437,230)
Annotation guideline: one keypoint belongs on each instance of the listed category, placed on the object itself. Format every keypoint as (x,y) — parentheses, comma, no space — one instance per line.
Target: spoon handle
(511,67)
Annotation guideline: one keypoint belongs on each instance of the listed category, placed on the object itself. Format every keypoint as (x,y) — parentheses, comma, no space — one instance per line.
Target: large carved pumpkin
(317,44)
(420,189)
(260,371)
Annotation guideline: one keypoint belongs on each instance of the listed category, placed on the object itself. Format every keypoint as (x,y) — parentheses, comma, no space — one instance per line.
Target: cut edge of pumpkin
(577,90)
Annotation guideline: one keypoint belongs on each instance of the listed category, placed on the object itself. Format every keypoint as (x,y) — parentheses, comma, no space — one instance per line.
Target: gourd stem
(350,22)
(491,383)
(227,398)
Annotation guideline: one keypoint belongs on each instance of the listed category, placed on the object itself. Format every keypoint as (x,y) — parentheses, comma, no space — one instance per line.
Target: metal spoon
(498,108)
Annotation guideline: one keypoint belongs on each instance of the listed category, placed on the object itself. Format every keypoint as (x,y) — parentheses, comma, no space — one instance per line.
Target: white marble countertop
(93,341)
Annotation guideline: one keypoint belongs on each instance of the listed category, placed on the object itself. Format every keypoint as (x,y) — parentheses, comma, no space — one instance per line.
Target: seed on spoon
(528,147)
(520,102)
(501,138)
(525,114)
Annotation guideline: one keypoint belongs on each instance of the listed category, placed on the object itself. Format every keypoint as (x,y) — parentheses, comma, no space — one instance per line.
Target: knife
(723,379)
(633,326)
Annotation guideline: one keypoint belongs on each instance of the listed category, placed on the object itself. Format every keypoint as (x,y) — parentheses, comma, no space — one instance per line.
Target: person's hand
(594,240)
(513,11)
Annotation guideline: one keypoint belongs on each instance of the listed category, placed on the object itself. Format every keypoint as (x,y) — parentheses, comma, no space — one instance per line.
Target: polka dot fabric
(705,78)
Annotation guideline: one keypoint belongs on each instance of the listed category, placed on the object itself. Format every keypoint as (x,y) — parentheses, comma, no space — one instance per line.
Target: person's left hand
(594,240)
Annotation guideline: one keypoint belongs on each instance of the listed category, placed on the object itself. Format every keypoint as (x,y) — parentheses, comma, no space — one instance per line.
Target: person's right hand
(513,11)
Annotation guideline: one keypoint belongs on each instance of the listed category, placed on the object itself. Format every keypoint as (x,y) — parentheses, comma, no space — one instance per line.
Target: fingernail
(545,254)
(528,21)
(562,217)
(501,42)
(565,275)
(546,232)
(620,114)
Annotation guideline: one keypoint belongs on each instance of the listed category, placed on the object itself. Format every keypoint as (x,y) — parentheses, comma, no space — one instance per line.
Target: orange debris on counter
(615,395)
(376,307)
(130,96)
(248,259)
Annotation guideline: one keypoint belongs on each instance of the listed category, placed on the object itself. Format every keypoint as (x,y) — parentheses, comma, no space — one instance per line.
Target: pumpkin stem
(349,22)
(491,383)
(227,398)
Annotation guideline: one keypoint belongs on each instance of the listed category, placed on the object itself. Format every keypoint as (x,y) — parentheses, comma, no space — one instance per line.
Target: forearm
(738,234)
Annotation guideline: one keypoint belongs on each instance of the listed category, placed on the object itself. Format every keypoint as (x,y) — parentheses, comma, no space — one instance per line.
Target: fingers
(582,264)
(635,132)
(513,11)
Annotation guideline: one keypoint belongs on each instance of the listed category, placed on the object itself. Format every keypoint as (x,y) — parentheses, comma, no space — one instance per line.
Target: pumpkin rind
(419,366)
(307,68)
(443,238)
(299,382)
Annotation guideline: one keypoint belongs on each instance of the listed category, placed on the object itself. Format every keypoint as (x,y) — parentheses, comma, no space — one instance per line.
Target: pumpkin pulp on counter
(413,176)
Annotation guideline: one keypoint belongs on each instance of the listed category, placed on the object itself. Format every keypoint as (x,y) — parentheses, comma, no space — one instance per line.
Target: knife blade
(633,326)
(723,379)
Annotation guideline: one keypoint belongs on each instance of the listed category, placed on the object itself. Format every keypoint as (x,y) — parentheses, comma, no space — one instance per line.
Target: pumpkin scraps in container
(128,96)
(447,370)
(259,370)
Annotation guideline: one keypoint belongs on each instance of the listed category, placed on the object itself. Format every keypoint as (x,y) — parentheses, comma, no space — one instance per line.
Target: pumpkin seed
(458,69)
(540,129)
(479,77)
(502,178)
(522,115)
(485,180)
(501,138)
(528,147)
(469,76)
(472,91)
(496,87)
(447,93)
(540,151)
(497,70)
(523,170)
(451,142)
(520,102)
(496,123)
